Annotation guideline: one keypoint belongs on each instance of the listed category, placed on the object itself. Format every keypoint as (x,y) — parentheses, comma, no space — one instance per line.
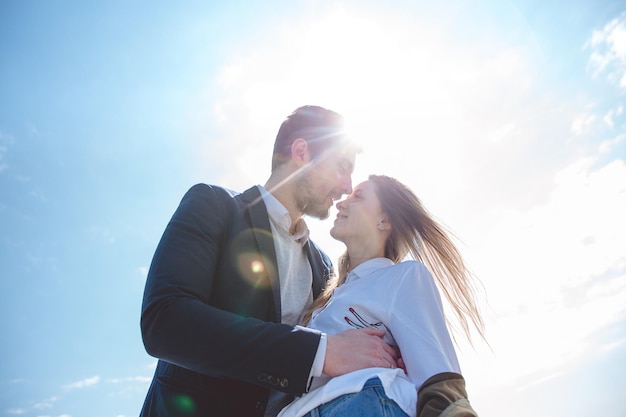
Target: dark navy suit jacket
(211,310)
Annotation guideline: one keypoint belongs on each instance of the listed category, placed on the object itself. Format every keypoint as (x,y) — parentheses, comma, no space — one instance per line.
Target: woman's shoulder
(411,266)
(413,273)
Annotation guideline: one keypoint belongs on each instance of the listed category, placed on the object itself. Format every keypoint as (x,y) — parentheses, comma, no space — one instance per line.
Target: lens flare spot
(184,405)
(257,267)
(254,269)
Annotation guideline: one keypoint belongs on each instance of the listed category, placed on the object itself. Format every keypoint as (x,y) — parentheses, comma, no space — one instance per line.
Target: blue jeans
(371,401)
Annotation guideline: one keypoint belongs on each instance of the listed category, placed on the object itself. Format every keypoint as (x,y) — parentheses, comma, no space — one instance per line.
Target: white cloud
(49,403)
(555,276)
(611,145)
(83,383)
(608,119)
(36,406)
(143,271)
(140,379)
(608,47)
(5,139)
(18,381)
(3,164)
(101,233)
(129,387)
(583,124)
(571,236)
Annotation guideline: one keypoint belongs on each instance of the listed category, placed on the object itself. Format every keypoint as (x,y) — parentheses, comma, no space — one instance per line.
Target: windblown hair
(415,232)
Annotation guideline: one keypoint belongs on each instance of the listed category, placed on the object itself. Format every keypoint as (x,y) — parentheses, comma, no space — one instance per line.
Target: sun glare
(405,101)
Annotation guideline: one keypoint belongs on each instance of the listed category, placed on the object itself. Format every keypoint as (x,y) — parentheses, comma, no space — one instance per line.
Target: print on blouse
(362,323)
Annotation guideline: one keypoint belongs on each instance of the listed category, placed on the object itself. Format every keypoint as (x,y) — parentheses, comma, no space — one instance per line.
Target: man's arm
(356,349)
(181,324)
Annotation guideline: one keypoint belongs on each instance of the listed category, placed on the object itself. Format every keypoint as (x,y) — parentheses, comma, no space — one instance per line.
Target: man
(232,275)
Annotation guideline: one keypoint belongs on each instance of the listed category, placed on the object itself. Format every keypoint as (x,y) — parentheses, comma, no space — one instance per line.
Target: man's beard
(308,201)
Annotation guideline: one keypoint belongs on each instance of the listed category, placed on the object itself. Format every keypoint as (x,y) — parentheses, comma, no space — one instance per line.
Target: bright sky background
(506,117)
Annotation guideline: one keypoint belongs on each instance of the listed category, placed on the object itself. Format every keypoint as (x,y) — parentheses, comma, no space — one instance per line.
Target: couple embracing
(248,317)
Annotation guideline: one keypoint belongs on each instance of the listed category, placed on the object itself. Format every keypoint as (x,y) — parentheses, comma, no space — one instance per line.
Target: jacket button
(262,377)
(284,382)
(273,380)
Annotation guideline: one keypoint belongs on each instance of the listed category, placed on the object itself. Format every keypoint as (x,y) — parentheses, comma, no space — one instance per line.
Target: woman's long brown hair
(415,232)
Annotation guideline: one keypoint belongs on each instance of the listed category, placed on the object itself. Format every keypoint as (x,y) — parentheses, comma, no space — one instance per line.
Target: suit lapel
(262,232)
(318,268)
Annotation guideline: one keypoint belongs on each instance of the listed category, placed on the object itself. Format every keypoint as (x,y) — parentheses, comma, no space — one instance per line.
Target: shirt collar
(369,267)
(281,219)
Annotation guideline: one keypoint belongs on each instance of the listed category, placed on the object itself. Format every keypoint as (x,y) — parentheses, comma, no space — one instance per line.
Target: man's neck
(283,192)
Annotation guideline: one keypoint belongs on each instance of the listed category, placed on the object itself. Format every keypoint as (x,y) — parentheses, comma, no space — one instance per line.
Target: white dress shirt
(295,281)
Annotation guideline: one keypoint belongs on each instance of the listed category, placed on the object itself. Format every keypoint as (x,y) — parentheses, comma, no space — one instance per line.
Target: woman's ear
(384,224)
(300,151)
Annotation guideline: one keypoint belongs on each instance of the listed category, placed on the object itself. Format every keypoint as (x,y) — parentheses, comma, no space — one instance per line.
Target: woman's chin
(335,234)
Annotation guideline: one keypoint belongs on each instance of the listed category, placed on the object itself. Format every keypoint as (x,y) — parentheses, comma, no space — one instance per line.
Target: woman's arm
(418,324)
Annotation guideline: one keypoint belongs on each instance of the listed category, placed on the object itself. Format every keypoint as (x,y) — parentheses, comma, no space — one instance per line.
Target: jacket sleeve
(444,395)
(180,323)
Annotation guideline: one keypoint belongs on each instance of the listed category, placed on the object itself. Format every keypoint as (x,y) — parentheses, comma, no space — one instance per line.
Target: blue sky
(506,118)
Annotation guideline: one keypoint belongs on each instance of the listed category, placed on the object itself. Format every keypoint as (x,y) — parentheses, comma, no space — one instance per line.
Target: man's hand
(357,349)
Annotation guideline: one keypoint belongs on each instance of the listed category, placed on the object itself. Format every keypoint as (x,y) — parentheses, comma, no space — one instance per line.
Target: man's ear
(300,151)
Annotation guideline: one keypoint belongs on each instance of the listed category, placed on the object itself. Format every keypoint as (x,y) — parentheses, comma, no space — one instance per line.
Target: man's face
(324,182)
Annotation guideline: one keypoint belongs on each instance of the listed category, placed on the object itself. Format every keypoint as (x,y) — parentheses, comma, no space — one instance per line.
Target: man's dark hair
(320,127)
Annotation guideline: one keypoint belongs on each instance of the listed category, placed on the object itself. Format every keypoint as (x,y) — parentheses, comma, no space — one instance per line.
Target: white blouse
(401,299)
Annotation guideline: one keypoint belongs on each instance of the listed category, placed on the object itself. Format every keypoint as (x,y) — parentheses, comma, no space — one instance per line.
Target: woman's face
(359,216)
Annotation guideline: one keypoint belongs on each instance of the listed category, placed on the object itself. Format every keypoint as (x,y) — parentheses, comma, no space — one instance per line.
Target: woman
(381,222)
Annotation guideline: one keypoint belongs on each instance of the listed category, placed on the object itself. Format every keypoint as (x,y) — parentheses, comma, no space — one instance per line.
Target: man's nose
(347,186)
